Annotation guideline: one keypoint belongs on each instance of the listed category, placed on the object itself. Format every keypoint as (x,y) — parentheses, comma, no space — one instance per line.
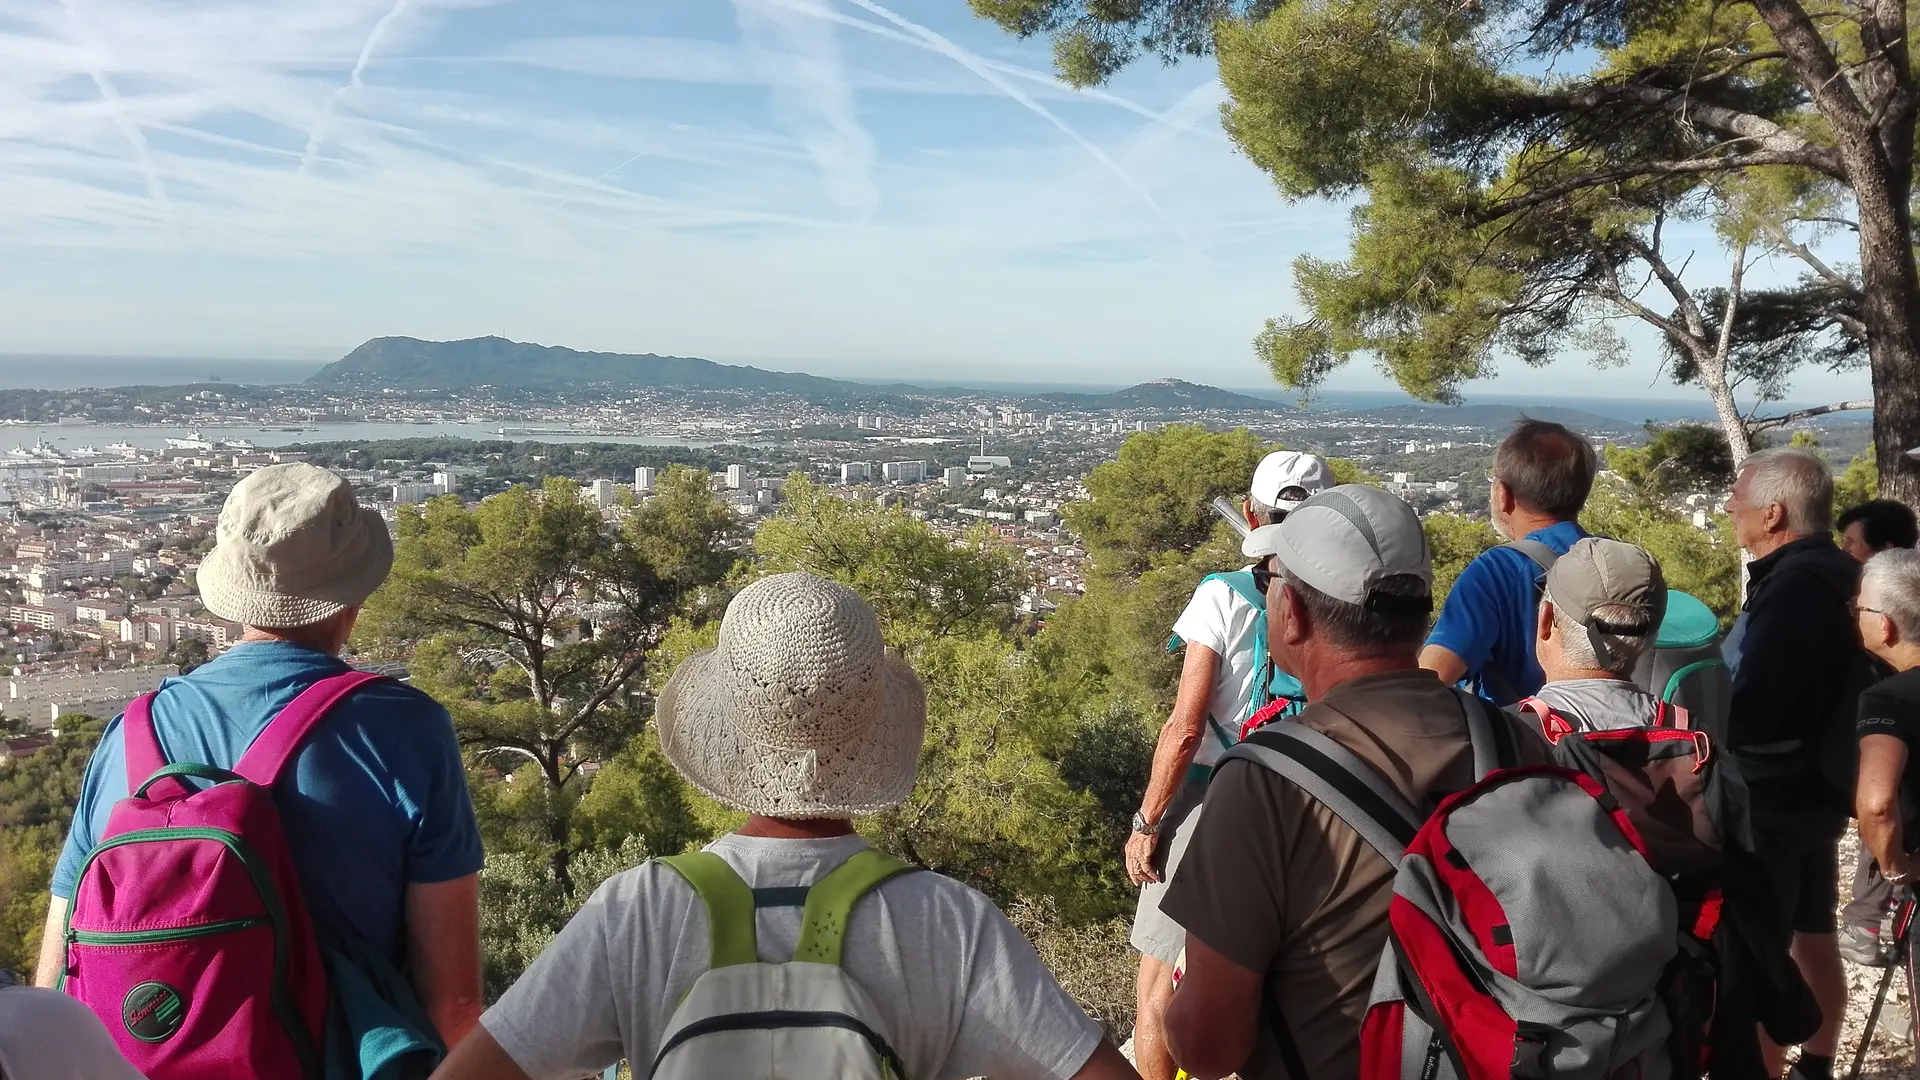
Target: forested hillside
(1039,735)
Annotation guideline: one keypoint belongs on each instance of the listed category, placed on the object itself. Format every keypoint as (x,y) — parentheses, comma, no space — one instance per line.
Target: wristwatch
(1899,879)
(1144,827)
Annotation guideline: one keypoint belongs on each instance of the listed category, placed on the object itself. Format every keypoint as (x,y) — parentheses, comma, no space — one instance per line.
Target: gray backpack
(1528,937)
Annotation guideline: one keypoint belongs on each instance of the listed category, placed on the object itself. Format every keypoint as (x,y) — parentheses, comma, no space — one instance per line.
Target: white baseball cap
(1287,478)
(1344,540)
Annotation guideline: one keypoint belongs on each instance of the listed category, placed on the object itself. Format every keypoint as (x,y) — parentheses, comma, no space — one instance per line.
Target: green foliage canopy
(1519,164)
(37,797)
(532,618)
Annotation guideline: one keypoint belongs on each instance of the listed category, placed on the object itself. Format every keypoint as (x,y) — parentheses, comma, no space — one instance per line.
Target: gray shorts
(1153,933)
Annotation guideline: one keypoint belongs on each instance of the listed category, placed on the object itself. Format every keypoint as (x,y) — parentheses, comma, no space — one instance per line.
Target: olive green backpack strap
(729,906)
(830,902)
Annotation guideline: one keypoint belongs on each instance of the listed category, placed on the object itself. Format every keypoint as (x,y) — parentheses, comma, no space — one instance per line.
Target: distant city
(108,496)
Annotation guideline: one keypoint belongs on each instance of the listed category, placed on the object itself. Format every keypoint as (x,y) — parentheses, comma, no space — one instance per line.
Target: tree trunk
(1739,444)
(560,859)
(1892,314)
(1873,128)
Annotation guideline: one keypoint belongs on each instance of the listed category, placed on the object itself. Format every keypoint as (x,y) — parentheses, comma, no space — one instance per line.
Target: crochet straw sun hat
(801,712)
(293,547)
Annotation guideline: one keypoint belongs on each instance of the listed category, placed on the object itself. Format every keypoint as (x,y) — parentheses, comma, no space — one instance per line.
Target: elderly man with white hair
(1794,652)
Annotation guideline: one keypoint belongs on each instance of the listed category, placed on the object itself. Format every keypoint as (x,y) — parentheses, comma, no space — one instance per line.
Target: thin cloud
(318,135)
(972,62)
(801,50)
(110,97)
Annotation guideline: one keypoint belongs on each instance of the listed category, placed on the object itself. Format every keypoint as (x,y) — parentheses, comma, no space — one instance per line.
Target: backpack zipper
(170,934)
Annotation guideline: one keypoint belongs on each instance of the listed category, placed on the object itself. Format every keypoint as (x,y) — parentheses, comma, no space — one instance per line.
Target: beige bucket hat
(801,712)
(292,548)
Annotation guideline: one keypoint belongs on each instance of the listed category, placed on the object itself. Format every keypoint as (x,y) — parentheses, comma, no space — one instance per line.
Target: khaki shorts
(1153,933)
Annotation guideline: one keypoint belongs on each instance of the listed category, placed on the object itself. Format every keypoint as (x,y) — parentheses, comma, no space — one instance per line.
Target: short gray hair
(1622,651)
(1799,480)
(1894,577)
(1354,626)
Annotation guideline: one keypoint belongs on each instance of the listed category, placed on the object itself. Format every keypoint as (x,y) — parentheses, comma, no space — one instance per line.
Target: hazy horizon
(26,371)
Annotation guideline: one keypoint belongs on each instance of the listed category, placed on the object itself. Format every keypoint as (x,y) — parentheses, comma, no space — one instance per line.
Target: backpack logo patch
(153,1012)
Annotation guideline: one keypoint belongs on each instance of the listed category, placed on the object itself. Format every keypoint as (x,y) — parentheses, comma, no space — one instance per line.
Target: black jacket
(1799,643)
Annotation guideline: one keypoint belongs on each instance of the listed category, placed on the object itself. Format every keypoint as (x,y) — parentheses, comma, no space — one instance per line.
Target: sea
(28,371)
(72,438)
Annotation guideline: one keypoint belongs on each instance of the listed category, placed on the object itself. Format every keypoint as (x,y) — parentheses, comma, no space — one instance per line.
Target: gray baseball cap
(1344,540)
(1597,571)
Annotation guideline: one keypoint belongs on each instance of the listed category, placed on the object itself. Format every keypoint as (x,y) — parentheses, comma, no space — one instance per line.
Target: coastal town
(106,510)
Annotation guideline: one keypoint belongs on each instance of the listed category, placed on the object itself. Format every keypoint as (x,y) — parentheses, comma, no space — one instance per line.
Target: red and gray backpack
(1528,937)
(188,934)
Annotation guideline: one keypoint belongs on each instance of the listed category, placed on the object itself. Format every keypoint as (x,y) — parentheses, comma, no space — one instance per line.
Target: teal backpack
(1685,667)
(1270,684)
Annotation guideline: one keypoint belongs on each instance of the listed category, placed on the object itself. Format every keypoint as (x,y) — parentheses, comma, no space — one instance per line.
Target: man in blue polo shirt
(1542,474)
(375,804)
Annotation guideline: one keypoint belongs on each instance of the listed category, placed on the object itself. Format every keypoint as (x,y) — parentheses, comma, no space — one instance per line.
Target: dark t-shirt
(1892,707)
(1275,882)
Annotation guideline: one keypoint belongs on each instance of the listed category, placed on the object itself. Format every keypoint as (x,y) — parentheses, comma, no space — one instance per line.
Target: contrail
(318,135)
(979,67)
(110,96)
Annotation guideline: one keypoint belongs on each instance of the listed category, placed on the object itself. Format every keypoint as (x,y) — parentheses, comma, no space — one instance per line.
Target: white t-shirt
(960,991)
(46,1035)
(1220,619)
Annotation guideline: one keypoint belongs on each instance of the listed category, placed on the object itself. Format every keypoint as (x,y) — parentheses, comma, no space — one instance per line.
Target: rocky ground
(1890,1057)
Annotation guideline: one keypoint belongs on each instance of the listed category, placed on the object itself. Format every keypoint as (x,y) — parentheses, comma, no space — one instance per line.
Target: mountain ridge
(406,363)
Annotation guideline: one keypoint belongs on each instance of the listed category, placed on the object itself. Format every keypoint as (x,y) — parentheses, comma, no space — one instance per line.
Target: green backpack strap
(1680,676)
(830,902)
(729,907)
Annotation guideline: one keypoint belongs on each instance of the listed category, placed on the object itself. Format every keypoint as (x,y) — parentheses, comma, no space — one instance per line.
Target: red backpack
(1668,783)
(1527,935)
(188,934)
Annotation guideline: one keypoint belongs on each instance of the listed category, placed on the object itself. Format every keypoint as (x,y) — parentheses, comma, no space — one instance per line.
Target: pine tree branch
(1806,255)
(1686,167)
(1762,423)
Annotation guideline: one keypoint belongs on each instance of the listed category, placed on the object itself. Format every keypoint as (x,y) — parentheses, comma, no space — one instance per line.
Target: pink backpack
(188,934)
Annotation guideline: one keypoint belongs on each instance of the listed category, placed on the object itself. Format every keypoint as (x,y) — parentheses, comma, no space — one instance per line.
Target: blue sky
(851,187)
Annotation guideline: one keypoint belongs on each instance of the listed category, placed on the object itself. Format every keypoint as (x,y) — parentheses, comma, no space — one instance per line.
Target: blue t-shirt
(374,800)
(1488,619)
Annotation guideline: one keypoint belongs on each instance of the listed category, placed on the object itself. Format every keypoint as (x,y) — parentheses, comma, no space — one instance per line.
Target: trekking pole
(1895,923)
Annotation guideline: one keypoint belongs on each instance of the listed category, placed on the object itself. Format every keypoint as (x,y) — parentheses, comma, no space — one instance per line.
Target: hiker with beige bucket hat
(790,945)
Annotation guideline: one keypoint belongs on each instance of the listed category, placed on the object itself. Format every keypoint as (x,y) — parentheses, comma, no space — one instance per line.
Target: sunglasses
(1263,576)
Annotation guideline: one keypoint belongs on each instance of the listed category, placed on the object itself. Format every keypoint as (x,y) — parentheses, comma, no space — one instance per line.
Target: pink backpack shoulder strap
(1552,724)
(142,745)
(277,743)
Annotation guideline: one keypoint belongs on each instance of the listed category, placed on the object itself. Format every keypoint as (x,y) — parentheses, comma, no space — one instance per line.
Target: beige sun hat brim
(701,735)
(236,590)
